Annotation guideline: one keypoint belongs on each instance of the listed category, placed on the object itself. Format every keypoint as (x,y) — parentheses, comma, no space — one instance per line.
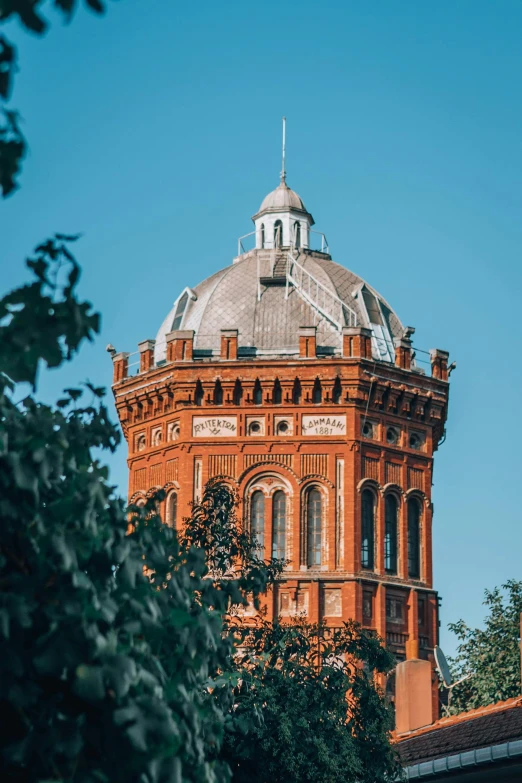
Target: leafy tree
(491,654)
(292,719)
(13,146)
(90,608)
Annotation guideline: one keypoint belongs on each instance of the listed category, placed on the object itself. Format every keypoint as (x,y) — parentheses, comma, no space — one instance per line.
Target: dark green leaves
(44,321)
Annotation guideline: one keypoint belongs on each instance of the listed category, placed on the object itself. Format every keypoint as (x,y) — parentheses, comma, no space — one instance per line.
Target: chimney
(180,345)
(439,364)
(308,342)
(229,343)
(120,366)
(146,349)
(357,342)
(413,694)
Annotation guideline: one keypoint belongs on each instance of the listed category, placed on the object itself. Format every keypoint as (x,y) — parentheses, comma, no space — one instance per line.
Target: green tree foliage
(292,719)
(29,13)
(121,659)
(491,654)
(90,609)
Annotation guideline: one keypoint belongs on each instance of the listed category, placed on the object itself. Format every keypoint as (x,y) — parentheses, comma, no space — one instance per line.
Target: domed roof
(268,319)
(282,198)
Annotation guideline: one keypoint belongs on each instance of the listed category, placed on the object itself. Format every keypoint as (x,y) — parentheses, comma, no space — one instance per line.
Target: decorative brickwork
(392,472)
(370,468)
(222,465)
(314,464)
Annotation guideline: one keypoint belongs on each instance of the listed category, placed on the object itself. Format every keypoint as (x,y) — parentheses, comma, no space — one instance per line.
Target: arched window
(337,391)
(313,525)
(140,442)
(278,234)
(367,528)
(172,509)
(279,525)
(414,514)
(262,234)
(257,521)
(277,393)
(297,233)
(296,392)
(238,392)
(391,508)
(218,393)
(258,393)
(198,394)
(317,393)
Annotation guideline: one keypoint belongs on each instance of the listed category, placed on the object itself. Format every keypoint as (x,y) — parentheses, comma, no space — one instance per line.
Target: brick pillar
(357,342)
(308,342)
(403,353)
(229,343)
(380,610)
(413,624)
(120,367)
(439,364)
(146,349)
(413,695)
(180,345)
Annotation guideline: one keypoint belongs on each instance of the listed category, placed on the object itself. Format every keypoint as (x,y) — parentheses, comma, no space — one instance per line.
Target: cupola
(282,219)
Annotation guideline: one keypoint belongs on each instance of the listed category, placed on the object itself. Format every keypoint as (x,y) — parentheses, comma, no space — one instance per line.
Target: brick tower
(294,379)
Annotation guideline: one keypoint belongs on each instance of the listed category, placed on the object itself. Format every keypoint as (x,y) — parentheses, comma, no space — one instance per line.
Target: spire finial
(283,171)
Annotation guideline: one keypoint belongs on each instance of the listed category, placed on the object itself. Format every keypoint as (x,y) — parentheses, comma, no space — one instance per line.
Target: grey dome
(268,324)
(282,198)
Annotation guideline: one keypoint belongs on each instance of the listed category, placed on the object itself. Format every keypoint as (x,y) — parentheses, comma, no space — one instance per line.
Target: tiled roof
(480,728)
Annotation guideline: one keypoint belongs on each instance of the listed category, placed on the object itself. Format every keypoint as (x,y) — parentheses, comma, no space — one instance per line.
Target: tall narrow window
(297,233)
(172,509)
(313,524)
(279,525)
(317,392)
(262,234)
(367,528)
(277,393)
(218,393)
(258,393)
(390,534)
(238,392)
(278,234)
(337,391)
(296,392)
(414,538)
(257,521)
(198,394)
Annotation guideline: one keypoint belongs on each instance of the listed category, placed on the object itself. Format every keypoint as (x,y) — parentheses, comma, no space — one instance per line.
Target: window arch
(262,234)
(257,520)
(337,391)
(313,527)
(218,393)
(367,528)
(279,525)
(278,234)
(317,392)
(198,394)
(414,517)
(258,393)
(140,442)
(296,392)
(391,509)
(238,392)
(172,509)
(277,393)
(297,233)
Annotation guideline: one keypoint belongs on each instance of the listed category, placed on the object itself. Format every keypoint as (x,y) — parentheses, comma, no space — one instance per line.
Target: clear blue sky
(155,132)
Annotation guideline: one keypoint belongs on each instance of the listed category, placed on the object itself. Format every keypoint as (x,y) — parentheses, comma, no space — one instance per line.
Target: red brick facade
(342,425)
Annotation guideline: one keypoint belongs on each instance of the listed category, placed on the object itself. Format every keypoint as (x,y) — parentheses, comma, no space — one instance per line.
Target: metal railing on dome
(321,298)
(316,241)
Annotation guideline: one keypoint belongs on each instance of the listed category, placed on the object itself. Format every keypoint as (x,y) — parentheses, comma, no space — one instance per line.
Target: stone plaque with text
(214,426)
(323,425)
